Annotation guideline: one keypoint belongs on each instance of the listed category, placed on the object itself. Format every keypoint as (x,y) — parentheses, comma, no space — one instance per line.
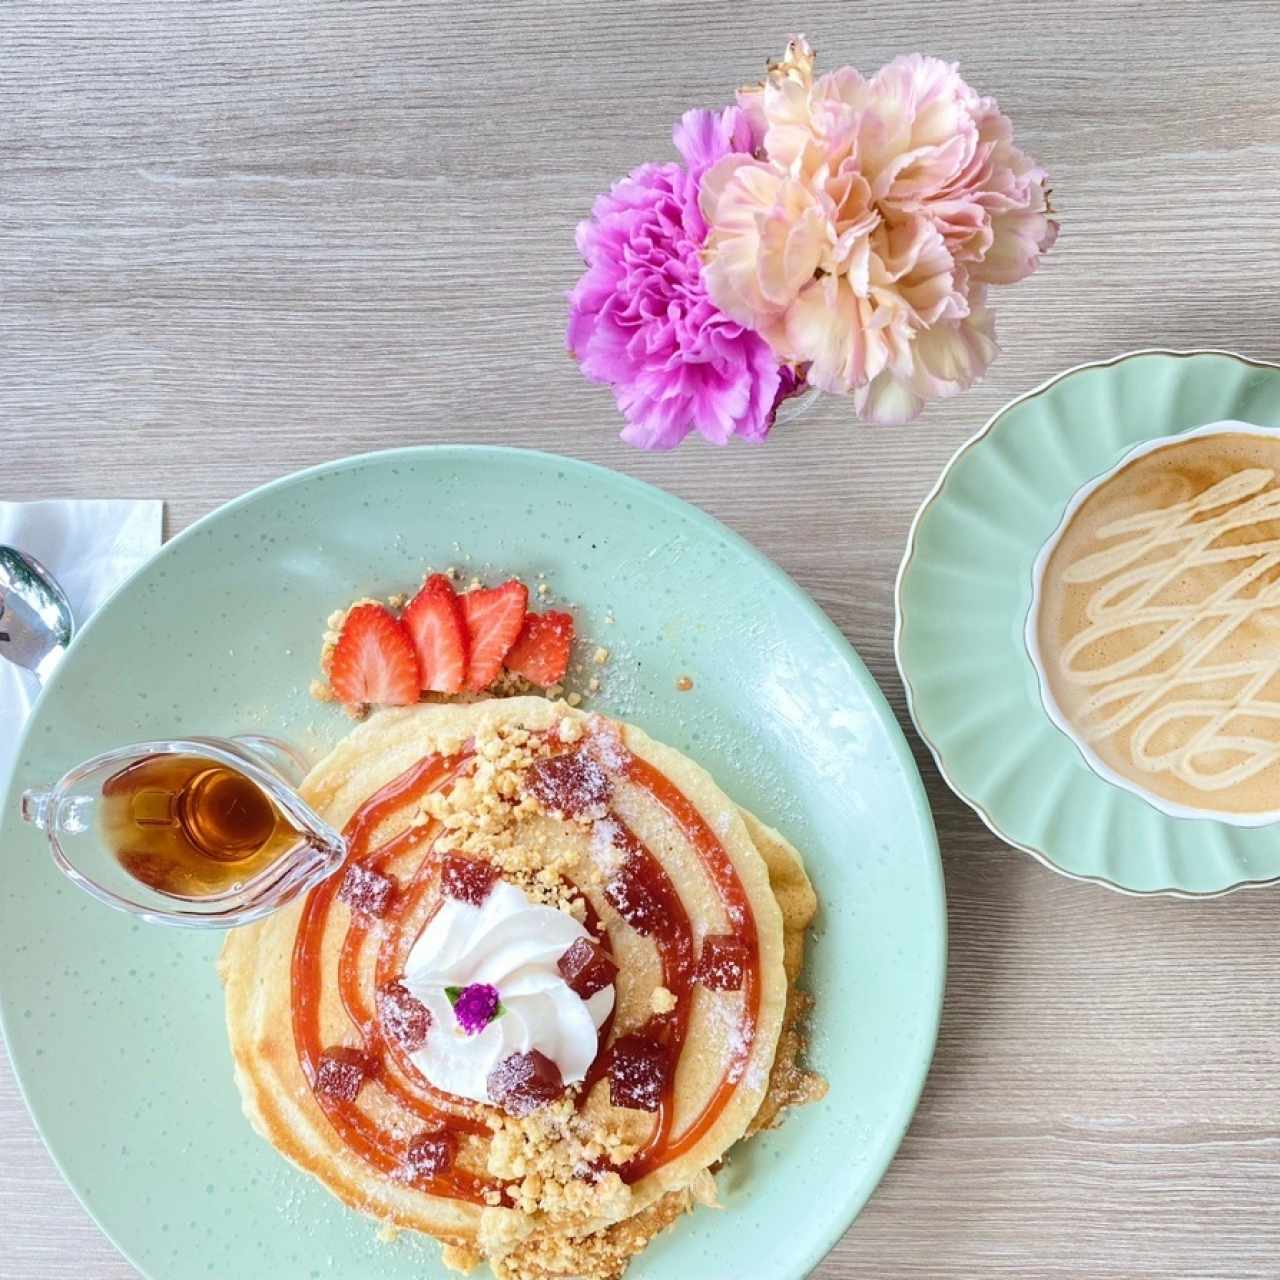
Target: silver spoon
(36,622)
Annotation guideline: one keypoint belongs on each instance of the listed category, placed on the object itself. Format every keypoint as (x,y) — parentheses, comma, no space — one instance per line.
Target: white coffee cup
(1032,639)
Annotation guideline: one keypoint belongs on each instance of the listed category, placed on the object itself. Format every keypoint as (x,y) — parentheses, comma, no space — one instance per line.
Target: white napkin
(90,546)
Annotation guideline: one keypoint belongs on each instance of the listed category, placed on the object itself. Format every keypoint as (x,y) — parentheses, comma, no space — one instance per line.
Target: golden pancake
(698,909)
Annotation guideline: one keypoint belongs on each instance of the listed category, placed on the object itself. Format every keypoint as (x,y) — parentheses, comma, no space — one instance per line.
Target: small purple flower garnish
(475,1006)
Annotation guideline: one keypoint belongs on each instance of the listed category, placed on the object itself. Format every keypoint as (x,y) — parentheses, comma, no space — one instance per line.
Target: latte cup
(1178,606)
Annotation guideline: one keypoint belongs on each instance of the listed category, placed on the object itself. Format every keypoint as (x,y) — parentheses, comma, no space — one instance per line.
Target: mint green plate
(115,1028)
(964,592)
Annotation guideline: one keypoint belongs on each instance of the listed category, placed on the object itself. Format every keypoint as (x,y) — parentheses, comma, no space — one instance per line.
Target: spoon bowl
(36,621)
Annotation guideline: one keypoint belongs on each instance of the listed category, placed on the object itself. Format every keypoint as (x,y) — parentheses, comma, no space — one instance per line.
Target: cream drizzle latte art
(1159,627)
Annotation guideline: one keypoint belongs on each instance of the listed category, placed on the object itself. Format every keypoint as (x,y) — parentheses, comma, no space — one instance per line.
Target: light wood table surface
(241,238)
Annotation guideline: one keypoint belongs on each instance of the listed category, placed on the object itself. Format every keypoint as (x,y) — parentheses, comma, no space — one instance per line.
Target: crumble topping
(561,1164)
(662,1000)
(483,808)
(460,1257)
(510,684)
(491,813)
(602,1255)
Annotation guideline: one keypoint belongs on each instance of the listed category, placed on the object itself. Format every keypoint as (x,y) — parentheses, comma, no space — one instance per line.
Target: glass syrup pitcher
(205,833)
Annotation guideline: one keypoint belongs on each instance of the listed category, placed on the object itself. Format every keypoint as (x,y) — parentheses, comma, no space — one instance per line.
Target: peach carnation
(860,236)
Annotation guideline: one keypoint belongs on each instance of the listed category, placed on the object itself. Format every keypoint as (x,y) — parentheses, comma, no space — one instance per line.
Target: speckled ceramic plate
(964,592)
(116,1028)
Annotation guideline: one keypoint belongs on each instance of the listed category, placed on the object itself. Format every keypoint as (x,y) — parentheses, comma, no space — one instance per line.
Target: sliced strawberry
(434,622)
(373,660)
(541,650)
(493,618)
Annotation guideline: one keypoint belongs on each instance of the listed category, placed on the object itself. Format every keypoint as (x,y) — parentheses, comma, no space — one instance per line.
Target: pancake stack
(688,916)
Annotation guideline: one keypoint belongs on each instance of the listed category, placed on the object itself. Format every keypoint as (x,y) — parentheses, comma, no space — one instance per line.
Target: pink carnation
(640,317)
(860,237)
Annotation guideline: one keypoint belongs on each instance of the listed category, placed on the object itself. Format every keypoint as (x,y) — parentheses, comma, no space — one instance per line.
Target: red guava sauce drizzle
(595,1072)
(662,1146)
(668,925)
(380,1148)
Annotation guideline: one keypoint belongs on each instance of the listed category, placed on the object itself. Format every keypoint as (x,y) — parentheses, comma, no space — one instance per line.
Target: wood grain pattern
(240,238)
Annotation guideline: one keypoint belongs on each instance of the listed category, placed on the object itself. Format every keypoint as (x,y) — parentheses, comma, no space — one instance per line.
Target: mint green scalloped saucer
(964,590)
(116,1028)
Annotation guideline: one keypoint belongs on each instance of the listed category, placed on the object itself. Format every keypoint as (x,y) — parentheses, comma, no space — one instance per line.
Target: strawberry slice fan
(445,643)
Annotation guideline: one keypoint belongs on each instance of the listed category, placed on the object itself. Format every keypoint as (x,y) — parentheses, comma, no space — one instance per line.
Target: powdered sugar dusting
(726,1021)
(606,744)
(604,849)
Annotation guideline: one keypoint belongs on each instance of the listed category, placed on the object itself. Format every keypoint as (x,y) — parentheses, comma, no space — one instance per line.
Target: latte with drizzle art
(1158,622)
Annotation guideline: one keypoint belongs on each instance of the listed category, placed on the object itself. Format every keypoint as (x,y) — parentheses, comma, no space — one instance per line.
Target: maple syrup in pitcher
(190,827)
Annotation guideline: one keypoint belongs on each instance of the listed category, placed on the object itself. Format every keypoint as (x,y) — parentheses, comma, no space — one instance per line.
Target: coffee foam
(1158,623)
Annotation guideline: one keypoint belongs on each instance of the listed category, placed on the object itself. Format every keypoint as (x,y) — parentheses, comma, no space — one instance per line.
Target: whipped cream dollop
(512,944)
